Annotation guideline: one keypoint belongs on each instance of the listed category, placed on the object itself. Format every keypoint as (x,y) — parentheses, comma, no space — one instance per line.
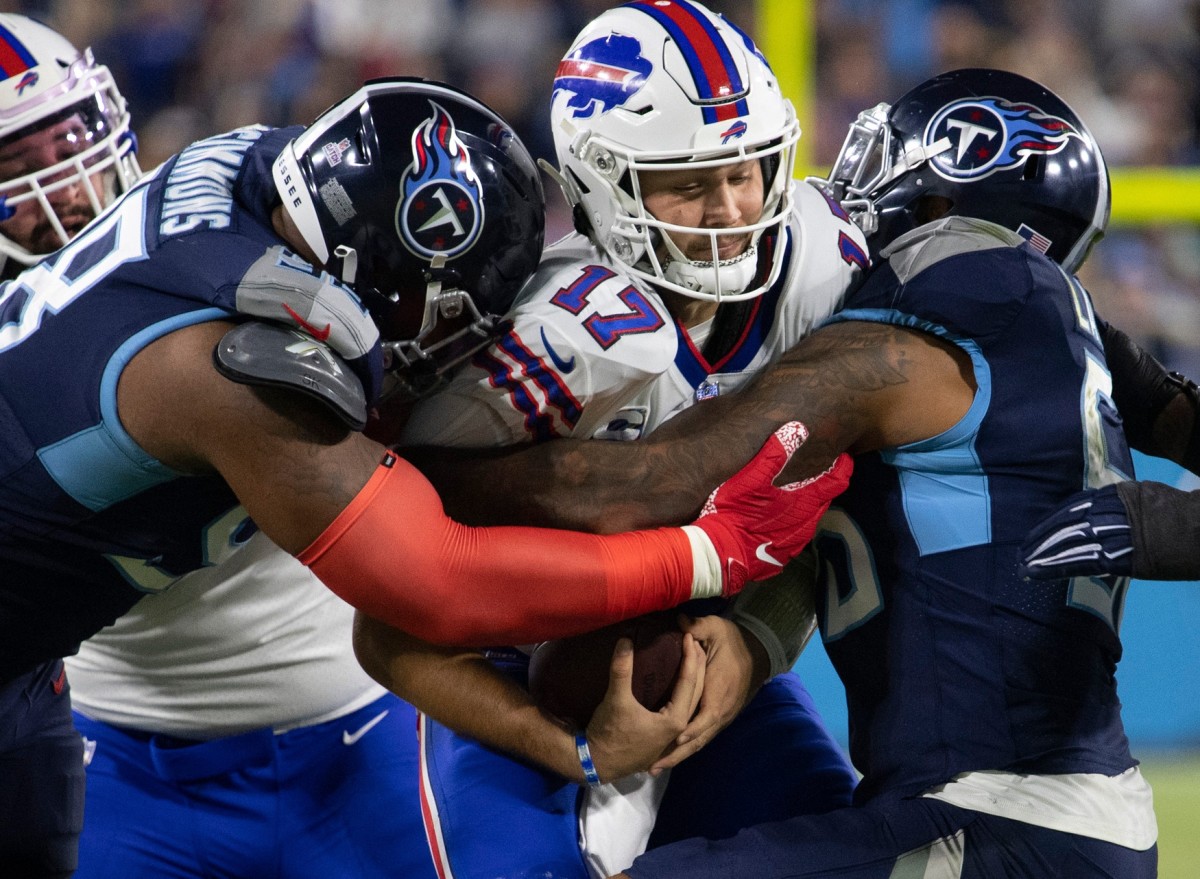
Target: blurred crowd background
(1130,68)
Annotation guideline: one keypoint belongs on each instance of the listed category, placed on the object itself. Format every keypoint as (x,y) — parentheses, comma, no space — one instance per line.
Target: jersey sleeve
(829,257)
(582,338)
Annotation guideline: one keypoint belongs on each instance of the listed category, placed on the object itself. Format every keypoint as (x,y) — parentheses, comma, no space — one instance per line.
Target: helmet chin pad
(714,280)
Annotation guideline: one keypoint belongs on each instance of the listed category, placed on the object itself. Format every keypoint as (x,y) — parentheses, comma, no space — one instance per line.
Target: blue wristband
(585,759)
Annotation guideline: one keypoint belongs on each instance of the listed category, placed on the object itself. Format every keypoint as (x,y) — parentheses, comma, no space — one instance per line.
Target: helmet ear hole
(1034,168)
(931,207)
(580,219)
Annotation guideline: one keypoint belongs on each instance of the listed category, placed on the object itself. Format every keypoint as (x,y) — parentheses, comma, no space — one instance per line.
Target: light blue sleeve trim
(944,488)
(102,465)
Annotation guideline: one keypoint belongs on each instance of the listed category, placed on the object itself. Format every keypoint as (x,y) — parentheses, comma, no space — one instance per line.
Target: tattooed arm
(858,386)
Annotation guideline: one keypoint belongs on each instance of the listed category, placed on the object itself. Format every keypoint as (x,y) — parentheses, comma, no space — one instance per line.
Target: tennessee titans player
(143,455)
(237,660)
(698,262)
(968,376)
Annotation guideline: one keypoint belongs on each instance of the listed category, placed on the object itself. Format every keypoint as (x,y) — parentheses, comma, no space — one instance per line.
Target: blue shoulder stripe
(102,465)
(943,483)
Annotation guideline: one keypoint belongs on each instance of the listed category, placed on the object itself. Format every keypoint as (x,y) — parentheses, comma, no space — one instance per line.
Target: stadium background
(1130,68)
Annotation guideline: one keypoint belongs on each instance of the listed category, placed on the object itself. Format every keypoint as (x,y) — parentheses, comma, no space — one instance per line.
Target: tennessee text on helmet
(427,203)
(995,145)
(666,85)
(44,82)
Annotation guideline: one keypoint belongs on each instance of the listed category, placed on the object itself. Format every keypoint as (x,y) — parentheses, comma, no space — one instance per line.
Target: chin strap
(719,279)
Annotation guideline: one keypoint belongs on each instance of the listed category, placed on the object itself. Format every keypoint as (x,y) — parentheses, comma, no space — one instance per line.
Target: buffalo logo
(601,74)
(441,199)
(991,134)
(29,80)
(737,129)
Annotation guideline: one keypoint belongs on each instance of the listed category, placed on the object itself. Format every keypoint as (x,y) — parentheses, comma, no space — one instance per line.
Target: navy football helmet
(989,144)
(427,204)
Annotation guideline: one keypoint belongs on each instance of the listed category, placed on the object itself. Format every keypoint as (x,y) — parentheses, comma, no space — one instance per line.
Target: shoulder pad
(257,353)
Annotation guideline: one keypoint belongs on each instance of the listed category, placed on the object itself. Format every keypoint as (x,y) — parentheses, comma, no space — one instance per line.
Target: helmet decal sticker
(601,75)
(441,200)
(333,151)
(735,130)
(337,202)
(1037,240)
(15,57)
(712,67)
(991,134)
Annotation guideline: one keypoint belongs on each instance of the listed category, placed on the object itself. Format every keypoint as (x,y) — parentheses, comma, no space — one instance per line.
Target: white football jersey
(595,353)
(254,642)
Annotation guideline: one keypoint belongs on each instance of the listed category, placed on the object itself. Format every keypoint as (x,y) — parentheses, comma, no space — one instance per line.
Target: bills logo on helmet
(737,129)
(987,135)
(601,74)
(29,80)
(441,200)
(15,58)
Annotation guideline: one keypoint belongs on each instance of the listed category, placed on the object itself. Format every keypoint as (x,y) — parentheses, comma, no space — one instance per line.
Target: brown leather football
(569,677)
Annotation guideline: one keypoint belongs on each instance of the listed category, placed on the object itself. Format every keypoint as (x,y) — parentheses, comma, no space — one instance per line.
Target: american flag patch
(1036,240)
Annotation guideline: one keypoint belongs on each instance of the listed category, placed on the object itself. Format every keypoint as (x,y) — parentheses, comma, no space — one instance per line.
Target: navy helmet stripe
(707,57)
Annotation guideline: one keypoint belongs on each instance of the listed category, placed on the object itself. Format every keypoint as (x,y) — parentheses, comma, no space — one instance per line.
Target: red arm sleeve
(394,554)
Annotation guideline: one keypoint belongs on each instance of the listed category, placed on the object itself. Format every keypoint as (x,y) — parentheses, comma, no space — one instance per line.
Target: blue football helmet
(994,145)
(427,204)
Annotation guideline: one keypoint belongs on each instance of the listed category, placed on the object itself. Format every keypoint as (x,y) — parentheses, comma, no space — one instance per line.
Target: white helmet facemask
(57,87)
(669,86)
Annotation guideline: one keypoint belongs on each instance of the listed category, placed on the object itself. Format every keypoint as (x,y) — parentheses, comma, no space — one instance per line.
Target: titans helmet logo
(441,200)
(601,74)
(987,135)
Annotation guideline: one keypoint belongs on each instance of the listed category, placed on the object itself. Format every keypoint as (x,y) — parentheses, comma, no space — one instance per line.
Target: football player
(698,262)
(175,688)
(66,150)
(151,427)
(968,376)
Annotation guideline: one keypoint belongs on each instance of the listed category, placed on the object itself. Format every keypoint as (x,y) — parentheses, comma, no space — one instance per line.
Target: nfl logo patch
(1037,241)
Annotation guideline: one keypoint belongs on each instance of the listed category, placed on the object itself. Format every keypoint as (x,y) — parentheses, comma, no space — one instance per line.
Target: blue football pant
(41,776)
(495,817)
(321,801)
(899,839)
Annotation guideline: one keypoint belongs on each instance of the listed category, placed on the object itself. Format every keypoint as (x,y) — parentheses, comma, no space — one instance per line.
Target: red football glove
(757,527)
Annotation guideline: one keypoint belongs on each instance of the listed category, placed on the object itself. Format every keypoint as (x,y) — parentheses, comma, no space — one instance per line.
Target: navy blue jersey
(88,521)
(951,661)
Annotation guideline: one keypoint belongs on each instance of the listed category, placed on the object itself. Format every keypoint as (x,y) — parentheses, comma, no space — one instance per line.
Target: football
(569,677)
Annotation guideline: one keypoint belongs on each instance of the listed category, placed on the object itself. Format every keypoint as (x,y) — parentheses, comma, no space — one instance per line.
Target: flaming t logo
(441,200)
(991,134)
